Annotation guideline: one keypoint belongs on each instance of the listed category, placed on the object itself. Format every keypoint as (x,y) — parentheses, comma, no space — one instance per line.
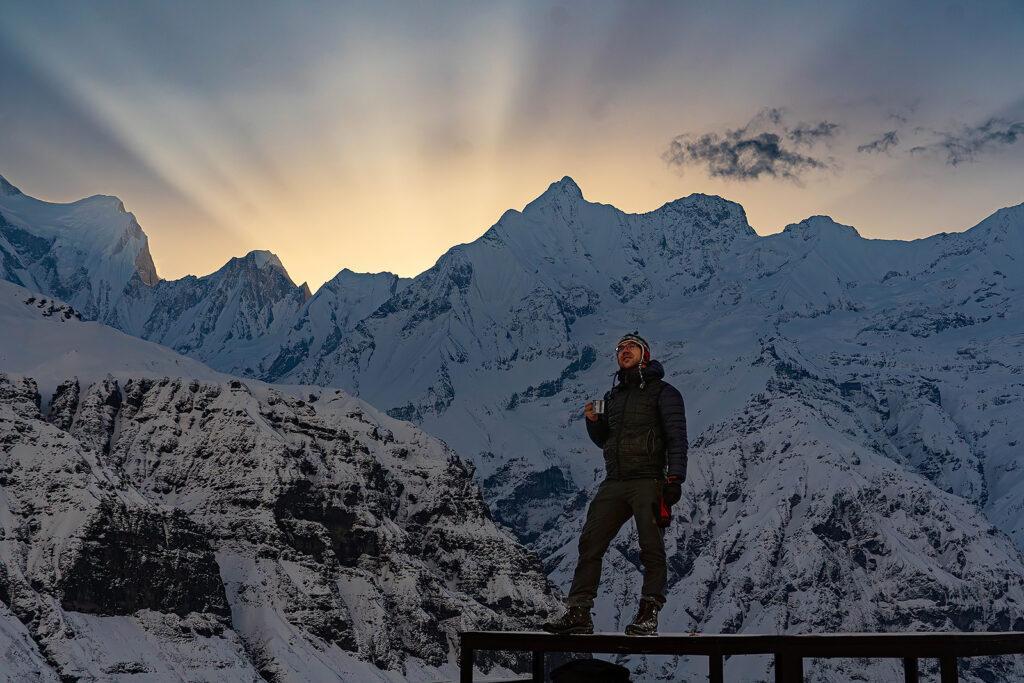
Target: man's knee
(592,546)
(652,548)
(653,557)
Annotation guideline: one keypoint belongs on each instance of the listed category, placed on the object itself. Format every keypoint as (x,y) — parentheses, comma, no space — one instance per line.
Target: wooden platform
(789,650)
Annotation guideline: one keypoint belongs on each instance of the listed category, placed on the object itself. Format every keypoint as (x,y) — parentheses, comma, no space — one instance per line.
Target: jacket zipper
(618,441)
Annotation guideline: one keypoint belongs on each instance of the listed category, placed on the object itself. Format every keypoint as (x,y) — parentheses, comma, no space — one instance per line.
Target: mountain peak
(348,273)
(820,225)
(559,193)
(6,189)
(261,259)
(108,200)
(565,186)
(711,214)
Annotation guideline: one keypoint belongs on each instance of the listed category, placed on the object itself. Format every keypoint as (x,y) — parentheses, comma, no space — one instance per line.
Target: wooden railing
(788,651)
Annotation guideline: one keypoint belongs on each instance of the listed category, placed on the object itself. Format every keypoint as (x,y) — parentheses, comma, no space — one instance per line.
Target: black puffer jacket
(643,428)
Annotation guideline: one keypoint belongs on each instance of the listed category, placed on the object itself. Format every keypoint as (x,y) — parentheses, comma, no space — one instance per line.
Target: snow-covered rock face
(326,320)
(249,317)
(95,574)
(300,538)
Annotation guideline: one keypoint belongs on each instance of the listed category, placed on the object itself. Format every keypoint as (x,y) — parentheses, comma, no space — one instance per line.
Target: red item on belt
(662,513)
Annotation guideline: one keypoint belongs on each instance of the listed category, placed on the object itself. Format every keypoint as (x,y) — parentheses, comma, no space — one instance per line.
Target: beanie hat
(635,338)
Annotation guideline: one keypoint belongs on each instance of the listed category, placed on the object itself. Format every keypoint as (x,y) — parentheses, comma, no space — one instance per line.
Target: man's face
(629,355)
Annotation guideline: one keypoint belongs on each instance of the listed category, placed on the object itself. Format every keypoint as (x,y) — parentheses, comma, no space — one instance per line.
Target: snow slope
(48,340)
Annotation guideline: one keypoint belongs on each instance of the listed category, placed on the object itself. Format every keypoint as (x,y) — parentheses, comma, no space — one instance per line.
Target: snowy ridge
(326,319)
(93,254)
(221,318)
(6,189)
(46,339)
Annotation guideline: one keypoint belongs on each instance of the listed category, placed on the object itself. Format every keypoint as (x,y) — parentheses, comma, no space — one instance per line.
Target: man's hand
(588,411)
(672,491)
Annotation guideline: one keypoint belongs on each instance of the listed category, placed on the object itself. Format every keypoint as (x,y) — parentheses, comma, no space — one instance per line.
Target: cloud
(882,144)
(763,147)
(809,134)
(972,141)
(903,114)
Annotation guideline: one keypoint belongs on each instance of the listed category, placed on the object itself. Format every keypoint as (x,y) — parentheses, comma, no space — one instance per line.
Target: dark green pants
(615,502)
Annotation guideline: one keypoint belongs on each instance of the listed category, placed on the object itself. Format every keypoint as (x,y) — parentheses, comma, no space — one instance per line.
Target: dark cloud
(882,144)
(760,148)
(970,142)
(768,116)
(904,113)
(810,134)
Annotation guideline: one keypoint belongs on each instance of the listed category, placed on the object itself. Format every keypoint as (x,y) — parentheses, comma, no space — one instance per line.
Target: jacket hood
(653,370)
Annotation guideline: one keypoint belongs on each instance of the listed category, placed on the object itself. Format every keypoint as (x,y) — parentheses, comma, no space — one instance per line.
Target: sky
(377,135)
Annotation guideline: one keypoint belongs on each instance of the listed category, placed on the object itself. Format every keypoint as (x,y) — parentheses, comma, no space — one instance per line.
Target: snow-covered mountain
(223,318)
(247,317)
(903,358)
(850,403)
(495,348)
(85,253)
(191,526)
(325,321)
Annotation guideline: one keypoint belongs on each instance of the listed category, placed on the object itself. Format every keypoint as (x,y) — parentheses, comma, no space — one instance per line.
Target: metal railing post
(910,670)
(794,668)
(947,665)
(538,666)
(466,664)
(716,673)
(789,667)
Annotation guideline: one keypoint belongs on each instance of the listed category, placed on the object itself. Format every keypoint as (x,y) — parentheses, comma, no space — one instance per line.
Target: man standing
(642,432)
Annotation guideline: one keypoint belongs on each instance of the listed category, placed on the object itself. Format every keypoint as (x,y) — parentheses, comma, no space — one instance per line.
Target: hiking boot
(645,623)
(575,620)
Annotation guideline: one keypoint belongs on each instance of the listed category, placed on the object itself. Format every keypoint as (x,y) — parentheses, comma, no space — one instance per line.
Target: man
(642,432)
